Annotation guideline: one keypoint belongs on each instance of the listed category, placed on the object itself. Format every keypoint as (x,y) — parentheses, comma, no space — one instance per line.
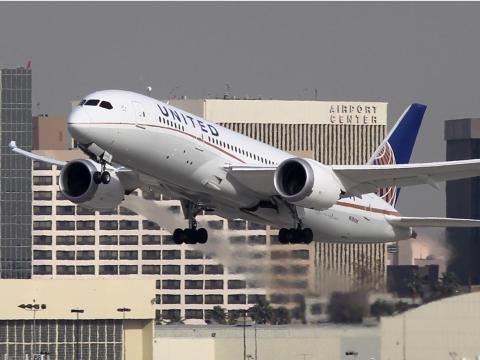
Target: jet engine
(307,183)
(78,185)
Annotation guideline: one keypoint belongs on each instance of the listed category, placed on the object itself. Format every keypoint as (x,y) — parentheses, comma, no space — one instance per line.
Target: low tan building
(84,319)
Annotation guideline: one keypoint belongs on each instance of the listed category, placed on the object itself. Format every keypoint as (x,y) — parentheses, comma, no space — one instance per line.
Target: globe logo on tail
(386,157)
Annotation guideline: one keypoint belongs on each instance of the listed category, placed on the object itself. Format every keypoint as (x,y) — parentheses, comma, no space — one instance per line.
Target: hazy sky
(394,52)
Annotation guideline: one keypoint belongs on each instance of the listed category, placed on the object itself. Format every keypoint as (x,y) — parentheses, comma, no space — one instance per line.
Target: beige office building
(36,319)
(331,132)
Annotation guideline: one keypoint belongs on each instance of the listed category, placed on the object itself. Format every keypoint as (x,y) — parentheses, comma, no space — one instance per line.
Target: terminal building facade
(69,241)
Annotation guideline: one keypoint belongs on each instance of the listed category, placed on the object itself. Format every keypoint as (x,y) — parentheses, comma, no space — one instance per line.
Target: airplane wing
(363,179)
(431,222)
(14,148)
(256,177)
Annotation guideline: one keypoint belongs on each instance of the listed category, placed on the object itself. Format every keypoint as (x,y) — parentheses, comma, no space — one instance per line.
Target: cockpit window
(82,102)
(106,105)
(92,102)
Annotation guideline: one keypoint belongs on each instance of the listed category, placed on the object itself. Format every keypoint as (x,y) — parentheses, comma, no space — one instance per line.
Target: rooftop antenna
(149,90)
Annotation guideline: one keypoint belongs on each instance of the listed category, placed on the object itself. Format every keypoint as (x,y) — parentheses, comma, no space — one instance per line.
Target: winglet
(12,145)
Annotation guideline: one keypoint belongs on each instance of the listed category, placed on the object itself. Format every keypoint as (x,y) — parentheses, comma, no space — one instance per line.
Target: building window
(65,270)
(128,255)
(300,254)
(151,269)
(85,270)
(128,240)
(151,255)
(214,269)
(257,239)
(237,224)
(128,225)
(65,255)
(256,226)
(170,299)
(174,209)
(215,224)
(237,240)
(42,254)
(128,269)
(42,210)
(237,299)
(158,299)
(213,299)
(256,298)
(193,299)
(193,254)
(65,210)
(298,270)
(108,225)
(86,225)
(85,240)
(65,225)
(108,255)
(171,269)
(150,225)
(108,212)
(84,211)
(42,269)
(237,284)
(278,255)
(60,196)
(125,211)
(42,195)
(42,225)
(151,240)
(193,314)
(193,269)
(279,298)
(108,270)
(86,255)
(41,165)
(170,284)
(168,240)
(42,180)
(108,240)
(65,240)
(171,254)
(194,284)
(42,240)
(213,284)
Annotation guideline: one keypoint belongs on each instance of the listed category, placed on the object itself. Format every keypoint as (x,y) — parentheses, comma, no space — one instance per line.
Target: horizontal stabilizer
(431,222)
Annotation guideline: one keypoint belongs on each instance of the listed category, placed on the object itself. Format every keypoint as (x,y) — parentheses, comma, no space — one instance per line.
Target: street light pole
(33,307)
(77,312)
(123,311)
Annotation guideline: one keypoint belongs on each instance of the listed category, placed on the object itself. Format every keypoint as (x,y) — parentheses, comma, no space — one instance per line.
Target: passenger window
(92,102)
(106,105)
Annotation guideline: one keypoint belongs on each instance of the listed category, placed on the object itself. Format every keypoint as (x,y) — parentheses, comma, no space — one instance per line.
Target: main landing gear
(295,236)
(191,235)
(103,176)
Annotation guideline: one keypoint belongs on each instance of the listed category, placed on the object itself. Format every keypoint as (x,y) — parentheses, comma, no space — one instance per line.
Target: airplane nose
(78,125)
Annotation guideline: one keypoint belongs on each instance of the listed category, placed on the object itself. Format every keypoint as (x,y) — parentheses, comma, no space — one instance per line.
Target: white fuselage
(186,155)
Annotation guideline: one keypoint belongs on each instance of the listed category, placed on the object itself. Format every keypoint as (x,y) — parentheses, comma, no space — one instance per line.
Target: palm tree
(448,284)
(261,312)
(414,282)
(219,315)
(233,316)
(281,316)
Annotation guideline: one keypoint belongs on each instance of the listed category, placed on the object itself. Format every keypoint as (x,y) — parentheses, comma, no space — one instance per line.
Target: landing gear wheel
(297,236)
(202,236)
(191,236)
(97,177)
(307,235)
(178,236)
(282,236)
(105,177)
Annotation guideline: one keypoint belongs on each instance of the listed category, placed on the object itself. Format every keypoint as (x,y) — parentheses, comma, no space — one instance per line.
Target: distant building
(398,276)
(50,133)
(463,142)
(15,174)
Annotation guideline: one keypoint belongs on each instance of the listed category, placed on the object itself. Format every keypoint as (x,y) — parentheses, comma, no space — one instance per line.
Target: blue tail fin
(398,146)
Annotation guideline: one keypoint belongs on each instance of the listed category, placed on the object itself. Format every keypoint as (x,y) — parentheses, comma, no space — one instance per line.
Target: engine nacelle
(76,183)
(307,183)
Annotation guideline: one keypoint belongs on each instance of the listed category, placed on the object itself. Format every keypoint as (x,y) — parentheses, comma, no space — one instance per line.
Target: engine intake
(76,183)
(307,183)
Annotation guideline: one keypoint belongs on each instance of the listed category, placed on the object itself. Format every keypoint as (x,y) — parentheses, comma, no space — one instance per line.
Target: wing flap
(362,179)
(258,178)
(431,222)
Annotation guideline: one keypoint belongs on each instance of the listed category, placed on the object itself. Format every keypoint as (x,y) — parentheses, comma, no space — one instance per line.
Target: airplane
(134,141)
